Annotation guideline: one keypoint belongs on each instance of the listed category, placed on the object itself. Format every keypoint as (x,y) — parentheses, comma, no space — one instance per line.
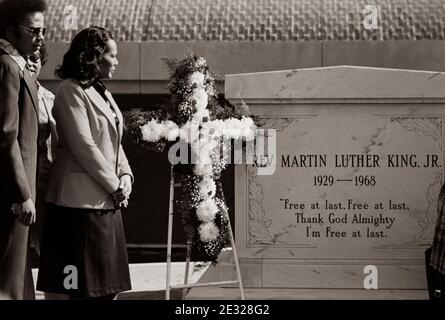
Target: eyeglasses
(34,31)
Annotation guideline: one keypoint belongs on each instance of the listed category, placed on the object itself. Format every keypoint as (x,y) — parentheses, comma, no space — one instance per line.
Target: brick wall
(249,20)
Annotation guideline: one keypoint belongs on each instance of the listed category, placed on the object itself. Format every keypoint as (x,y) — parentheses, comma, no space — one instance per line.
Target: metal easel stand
(189,247)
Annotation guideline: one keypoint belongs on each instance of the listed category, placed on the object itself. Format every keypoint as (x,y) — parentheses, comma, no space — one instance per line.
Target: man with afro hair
(22,32)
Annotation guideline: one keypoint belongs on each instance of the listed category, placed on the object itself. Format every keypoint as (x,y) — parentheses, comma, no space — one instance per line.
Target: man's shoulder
(5,58)
(7,61)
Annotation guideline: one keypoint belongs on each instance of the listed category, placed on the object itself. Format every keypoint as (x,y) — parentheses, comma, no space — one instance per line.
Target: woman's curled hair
(86,52)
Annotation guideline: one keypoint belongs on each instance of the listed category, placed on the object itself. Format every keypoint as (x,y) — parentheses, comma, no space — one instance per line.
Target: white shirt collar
(13,53)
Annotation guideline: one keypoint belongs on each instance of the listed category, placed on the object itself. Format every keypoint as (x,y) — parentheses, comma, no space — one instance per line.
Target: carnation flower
(149,133)
(205,150)
(200,115)
(207,147)
(203,169)
(208,232)
(207,187)
(207,211)
(248,134)
(152,131)
(248,128)
(173,134)
(201,62)
(185,132)
(197,78)
(200,96)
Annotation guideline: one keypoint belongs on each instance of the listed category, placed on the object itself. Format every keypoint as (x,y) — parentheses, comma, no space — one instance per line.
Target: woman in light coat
(83,250)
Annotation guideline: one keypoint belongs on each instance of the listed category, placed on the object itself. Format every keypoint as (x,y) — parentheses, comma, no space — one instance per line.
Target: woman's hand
(25,212)
(125,185)
(119,198)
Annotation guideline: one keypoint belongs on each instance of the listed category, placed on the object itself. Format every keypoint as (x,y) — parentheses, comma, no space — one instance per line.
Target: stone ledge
(305,294)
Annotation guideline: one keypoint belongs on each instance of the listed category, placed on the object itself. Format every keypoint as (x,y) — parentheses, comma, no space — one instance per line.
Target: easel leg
(189,248)
(169,236)
(187,267)
(235,257)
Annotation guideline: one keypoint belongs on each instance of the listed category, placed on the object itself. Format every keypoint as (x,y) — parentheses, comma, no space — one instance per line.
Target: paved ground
(148,280)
